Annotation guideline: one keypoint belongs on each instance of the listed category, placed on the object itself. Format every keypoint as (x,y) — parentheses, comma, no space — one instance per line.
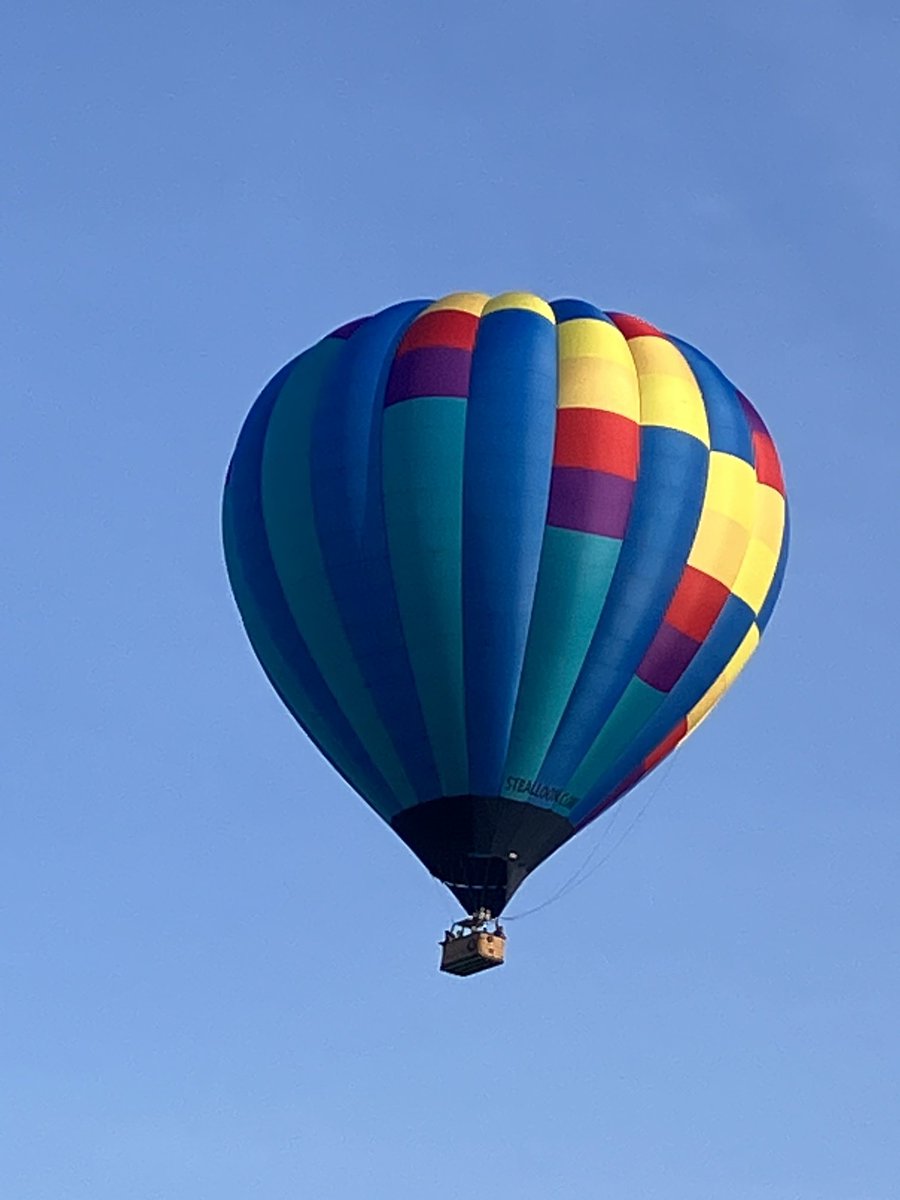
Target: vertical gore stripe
(508,455)
(424,442)
(346,454)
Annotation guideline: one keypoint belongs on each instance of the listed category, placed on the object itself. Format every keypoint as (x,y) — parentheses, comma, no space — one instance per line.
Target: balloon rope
(582,874)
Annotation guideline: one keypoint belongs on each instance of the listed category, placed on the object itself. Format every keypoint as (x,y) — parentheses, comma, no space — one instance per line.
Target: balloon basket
(470,946)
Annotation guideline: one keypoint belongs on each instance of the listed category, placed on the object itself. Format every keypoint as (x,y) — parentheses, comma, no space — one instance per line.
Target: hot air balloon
(499,557)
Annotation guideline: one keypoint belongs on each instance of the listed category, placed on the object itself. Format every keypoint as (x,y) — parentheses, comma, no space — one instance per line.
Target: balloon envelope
(498,557)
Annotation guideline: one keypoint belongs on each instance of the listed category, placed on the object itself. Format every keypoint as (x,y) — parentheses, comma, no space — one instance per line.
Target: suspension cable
(583,874)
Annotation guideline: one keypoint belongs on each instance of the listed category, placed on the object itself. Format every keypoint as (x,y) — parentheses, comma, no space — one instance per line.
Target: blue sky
(194,192)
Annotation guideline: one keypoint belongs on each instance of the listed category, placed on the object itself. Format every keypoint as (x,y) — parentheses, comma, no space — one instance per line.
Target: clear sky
(218,968)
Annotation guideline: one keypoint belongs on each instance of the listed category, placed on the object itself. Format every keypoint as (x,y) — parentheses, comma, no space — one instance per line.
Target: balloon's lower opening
(481,847)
